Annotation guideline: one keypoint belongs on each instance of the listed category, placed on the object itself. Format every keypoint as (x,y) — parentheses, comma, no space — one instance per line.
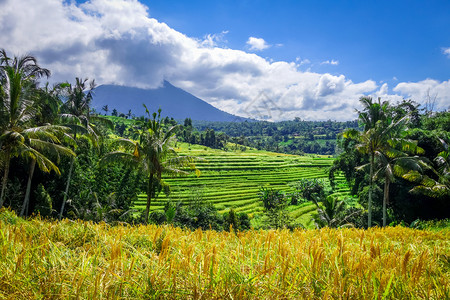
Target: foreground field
(61,260)
(232,179)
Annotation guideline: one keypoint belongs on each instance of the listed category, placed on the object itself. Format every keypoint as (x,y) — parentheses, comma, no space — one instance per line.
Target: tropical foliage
(153,154)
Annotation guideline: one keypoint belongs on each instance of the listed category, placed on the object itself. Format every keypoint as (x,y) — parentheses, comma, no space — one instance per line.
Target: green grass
(233,179)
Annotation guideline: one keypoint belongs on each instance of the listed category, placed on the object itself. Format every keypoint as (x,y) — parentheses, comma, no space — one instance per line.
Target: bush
(271,198)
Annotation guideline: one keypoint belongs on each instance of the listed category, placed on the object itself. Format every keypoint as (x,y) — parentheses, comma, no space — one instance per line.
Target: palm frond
(102,121)
(119,157)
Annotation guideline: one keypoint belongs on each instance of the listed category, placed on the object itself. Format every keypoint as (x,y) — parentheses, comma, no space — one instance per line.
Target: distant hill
(174,102)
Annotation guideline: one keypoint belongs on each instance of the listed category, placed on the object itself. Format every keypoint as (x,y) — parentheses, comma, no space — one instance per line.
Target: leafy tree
(153,154)
(272,199)
(333,212)
(310,188)
(391,161)
(231,219)
(18,136)
(373,117)
(76,114)
(427,185)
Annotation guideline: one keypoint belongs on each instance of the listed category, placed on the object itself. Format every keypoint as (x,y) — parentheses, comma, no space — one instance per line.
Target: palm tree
(76,114)
(17,138)
(383,141)
(392,162)
(373,117)
(153,153)
(333,212)
(105,109)
(18,81)
(38,142)
(429,186)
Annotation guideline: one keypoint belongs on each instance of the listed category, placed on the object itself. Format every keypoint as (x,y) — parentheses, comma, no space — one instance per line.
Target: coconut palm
(18,81)
(332,212)
(18,137)
(392,163)
(429,186)
(76,114)
(373,117)
(384,142)
(153,154)
(41,142)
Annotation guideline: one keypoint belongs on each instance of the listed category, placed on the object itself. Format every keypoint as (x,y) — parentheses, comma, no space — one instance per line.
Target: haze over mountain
(174,102)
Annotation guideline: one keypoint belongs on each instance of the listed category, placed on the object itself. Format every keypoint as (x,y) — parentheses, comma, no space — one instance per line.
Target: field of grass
(232,179)
(80,260)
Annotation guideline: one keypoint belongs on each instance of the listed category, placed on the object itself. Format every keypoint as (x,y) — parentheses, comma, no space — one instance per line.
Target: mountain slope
(173,101)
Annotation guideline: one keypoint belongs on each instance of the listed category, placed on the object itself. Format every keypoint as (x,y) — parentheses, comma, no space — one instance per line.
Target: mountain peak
(173,101)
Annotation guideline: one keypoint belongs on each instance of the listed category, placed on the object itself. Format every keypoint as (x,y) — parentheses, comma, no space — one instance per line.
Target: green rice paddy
(233,179)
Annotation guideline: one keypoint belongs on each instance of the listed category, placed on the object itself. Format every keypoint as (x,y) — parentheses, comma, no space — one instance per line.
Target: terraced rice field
(233,179)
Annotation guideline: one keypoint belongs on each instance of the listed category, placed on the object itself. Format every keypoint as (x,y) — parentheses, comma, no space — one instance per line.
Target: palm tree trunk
(149,197)
(385,199)
(5,180)
(26,200)
(369,213)
(67,187)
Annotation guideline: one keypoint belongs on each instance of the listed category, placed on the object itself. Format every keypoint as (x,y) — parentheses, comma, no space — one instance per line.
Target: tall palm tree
(76,114)
(373,117)
(41,142)
(153,153)
(393,161)
(383,140)
(18,81)
(18,137)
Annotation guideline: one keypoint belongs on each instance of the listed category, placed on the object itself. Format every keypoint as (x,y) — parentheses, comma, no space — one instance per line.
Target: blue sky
(307,59)
(370,39)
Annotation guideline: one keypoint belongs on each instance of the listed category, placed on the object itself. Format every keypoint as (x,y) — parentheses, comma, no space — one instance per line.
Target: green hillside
(233,179)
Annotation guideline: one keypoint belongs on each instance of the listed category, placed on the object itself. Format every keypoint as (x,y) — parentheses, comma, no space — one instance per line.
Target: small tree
(153,154)
(272,199)
(333,212)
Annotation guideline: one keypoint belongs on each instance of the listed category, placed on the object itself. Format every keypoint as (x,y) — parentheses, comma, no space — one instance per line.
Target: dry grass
(60,260)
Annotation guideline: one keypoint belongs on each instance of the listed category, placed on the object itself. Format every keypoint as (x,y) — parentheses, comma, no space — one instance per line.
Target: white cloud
(257,44)
(301,61)
(117,42)
(215,39)
(446,51)
(423,90)
(330,62)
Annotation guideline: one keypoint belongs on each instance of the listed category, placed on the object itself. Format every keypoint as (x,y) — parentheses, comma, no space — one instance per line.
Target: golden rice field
(80,260)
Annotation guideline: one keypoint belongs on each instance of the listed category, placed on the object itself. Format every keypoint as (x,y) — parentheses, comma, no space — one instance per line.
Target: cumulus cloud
(257,44)
(117,42)
(425,90)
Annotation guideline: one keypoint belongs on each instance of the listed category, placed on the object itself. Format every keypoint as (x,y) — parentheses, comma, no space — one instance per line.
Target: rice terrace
(224,149)
(233,179)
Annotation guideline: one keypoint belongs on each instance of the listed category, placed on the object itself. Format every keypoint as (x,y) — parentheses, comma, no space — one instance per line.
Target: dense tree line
(398,164)
(293,137)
